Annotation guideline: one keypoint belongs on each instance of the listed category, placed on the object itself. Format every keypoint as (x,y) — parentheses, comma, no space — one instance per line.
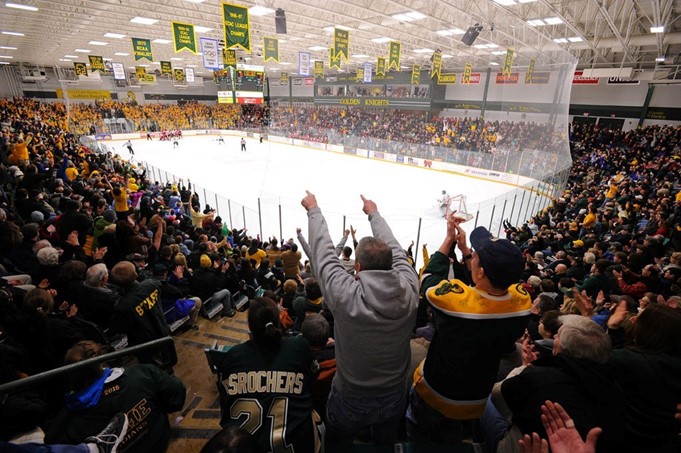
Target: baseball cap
(500,258)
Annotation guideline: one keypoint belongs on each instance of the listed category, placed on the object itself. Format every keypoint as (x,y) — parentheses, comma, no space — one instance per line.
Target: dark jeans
(346,416)
(425,424)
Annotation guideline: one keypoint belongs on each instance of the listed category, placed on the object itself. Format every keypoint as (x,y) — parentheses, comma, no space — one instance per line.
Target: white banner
(118,71)
(368,69)
(211,53)
(304,63)
(189,75)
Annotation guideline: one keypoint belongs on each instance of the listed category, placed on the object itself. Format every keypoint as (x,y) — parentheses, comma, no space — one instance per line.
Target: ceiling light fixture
(560,40)
(258,10)
(122,54)
(536,22)
(12,33)
(98,43)
(114,35)
(8,48)
(660,59)
(70,56)
(505,2)
(143,20)
(553,20)
(381,40)
(575,39)
(450,32)
(161,41)
(317,48)
(424,50)
(200,29)
(657,29)
(7,57)
(409,16)
(83,50)
(19,6)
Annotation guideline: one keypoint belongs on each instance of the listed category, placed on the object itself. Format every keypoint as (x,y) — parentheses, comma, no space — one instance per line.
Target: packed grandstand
(95,255)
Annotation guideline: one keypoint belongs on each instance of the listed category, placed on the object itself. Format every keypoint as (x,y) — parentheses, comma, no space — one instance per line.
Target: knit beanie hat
(110,215)
(205,261)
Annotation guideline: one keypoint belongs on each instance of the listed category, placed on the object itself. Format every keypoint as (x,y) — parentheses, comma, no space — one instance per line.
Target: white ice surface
(279,174)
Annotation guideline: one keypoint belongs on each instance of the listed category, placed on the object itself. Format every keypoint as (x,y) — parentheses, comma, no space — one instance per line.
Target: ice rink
(274,177)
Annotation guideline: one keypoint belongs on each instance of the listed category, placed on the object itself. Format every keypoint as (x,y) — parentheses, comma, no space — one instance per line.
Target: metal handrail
(20,384)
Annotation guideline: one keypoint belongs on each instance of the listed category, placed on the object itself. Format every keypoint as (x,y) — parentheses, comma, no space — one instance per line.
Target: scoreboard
(246,88)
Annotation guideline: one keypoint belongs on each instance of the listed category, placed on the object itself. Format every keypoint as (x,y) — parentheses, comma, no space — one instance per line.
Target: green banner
(81,68)
(184,37)
(97,63)
(341,44)
(237,26)
(140,72)
(141,48)
(415,74)
(436,68)
(360,75)
(271,46)
(467,71)
(334,61)
(394,55)
(229,58)
(380,66)
(530,71)
(178,75)
(283,78)
(166,67)
(508,62)
(318,69)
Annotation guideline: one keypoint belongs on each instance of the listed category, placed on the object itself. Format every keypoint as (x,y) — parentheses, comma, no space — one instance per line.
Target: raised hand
(563,436)
(369,206)
(310,201)
(533,444)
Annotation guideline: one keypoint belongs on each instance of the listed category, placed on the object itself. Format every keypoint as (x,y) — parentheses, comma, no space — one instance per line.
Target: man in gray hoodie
(374,313)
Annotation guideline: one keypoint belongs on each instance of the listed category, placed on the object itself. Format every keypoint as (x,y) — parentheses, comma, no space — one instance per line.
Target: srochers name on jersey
(264,382)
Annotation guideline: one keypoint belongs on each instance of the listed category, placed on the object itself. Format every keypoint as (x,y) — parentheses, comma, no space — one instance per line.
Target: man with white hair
(575,376)
(96,300)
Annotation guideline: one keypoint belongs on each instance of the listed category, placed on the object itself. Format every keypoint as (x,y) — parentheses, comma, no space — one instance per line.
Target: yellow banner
(270,49)
(341,44)
(334,61)
(318,69)
(183,37)
(166,67)
(436,68)
(97,63)
(229,58)
(360,75)
(81,68)
(380,66)
(415,74)
(140,72)
(84,94)
(178,75)
(237,26)
(394,55)
(530,71)
(447,79)
(508,62)
(467,71)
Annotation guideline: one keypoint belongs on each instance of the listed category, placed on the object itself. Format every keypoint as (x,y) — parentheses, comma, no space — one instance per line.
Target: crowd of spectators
(91,249)
(411,127)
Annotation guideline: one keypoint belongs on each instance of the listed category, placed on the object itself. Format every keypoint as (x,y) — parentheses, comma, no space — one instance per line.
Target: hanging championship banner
(178,75)
(237,26)
(229,58)
(184,37)
(140,72)
(141,48)
(436,68)
(96,63)
(380,66)
(81,68)
(318,69)
(211,53)
(368,69)
(508,62)
(283,78)
(304,63)
(468,69)
(189,75)
(394,55)
(359,75)
(166,67)
(415,74)
(333,61)
(530,71)
(118,71)
(341,44)
(271,46)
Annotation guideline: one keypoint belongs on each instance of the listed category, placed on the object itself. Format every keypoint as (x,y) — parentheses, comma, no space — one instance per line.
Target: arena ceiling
(597,33)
